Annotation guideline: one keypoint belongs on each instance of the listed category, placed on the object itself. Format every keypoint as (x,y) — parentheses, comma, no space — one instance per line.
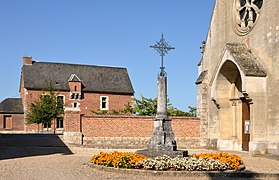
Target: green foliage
(128,110)
(145,106)
(172,111)
(192,111)
(148,107)
(102,112)
(46,109)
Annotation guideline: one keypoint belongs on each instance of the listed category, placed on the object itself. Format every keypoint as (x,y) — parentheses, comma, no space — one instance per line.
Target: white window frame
(101,103)
(61,119)
(63,99)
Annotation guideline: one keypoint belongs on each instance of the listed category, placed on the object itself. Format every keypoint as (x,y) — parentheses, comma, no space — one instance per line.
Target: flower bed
(233,161)
(199,162)
(118,159)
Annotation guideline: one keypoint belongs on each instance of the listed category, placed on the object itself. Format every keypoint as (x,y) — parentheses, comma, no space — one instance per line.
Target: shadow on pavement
(242,175)
(26,145)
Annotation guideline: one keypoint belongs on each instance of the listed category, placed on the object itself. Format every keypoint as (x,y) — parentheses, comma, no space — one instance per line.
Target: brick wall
(72,121)
(91,101)
(135,126)
(17,122)
(135,131)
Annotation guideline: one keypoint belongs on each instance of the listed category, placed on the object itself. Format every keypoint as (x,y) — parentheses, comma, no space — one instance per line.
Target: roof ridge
(87,65)
(73,77)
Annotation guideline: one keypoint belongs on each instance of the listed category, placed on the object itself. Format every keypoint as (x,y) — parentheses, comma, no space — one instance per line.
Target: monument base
(154,153)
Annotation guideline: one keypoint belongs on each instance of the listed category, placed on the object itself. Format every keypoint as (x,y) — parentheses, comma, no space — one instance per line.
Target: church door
(245,125)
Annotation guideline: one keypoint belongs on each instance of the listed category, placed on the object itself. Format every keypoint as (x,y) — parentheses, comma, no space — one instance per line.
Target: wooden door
(245,125)
(7,122)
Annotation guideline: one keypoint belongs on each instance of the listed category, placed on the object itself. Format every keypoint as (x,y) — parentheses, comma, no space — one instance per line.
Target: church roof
(246,60)
(93,78)
(11,106)
(201,77)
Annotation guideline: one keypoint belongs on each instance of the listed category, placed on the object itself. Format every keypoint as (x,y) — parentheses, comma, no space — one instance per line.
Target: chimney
(27,60)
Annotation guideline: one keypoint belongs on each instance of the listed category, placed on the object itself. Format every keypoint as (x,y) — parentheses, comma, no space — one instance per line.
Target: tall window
(59,122)
(60,101)
(104,102)
(75,105)
(47,125)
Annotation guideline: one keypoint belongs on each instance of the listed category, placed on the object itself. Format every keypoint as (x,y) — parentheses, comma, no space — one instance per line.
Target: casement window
(104,102)
(47,125)
(60,101)
(75,96)
(8,122)
(60,122)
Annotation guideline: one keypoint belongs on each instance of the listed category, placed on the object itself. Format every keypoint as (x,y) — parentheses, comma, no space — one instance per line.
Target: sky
(107,32)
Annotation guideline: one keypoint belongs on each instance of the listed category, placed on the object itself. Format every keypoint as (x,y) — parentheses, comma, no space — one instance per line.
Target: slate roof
(246,60)
(11,106)
(93,78)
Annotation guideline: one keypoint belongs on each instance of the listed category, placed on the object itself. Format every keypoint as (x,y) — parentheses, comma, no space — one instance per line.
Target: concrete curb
(210,174)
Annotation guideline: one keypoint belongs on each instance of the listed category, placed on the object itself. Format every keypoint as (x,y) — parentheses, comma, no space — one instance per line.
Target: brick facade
(89,103)
(128,131)
(135,126)
(17,122)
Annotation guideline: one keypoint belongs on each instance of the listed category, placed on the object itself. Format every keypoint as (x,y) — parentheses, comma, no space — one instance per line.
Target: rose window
(246,14)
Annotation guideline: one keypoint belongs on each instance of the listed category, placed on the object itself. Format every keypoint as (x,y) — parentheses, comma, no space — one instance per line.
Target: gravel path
(19,161)
(59,166)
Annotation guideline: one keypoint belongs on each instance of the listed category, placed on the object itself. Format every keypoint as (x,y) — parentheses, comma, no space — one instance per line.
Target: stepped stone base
(155,153)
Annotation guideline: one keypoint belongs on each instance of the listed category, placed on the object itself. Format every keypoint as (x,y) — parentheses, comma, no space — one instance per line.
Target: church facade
(237,87)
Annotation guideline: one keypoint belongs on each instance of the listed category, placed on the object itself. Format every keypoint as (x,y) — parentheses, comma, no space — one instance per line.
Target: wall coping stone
(139,117)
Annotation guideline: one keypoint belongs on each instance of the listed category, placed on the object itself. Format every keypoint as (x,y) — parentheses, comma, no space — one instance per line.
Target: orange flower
(117,159)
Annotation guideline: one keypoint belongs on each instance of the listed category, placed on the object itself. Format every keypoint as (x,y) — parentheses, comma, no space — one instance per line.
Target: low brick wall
(135,131)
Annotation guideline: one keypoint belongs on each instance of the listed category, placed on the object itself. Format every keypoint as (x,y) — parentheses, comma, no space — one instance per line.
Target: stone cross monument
(162,140)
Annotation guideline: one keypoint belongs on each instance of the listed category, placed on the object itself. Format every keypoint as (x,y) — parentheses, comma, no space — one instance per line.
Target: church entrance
(233,109)
(245,125)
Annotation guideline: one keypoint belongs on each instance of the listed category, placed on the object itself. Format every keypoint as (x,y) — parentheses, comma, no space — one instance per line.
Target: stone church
(238,82)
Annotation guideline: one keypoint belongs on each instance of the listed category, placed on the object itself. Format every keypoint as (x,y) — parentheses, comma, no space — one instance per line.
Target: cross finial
(162,47)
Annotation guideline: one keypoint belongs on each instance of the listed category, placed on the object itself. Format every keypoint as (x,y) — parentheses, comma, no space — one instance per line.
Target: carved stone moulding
(245,15)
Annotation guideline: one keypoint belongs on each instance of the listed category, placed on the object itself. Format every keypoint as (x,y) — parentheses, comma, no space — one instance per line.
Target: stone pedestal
(162,140)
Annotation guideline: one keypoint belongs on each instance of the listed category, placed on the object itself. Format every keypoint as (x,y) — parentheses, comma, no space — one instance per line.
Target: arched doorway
(234,110)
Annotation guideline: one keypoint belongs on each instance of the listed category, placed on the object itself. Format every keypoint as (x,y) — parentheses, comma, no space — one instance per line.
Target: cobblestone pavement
(60,162)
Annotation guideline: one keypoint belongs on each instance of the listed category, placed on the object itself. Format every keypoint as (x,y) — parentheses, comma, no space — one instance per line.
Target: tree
(172,111)
(145,106)
(192,111)
(46,109)
(148,107)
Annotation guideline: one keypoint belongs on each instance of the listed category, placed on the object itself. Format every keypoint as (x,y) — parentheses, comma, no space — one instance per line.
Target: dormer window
(75,87)
(75,96)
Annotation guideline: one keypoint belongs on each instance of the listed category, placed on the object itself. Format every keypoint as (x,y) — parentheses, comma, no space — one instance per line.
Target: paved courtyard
(47,157)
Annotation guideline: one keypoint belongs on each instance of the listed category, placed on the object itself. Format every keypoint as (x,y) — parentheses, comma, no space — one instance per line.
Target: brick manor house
(83,89)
